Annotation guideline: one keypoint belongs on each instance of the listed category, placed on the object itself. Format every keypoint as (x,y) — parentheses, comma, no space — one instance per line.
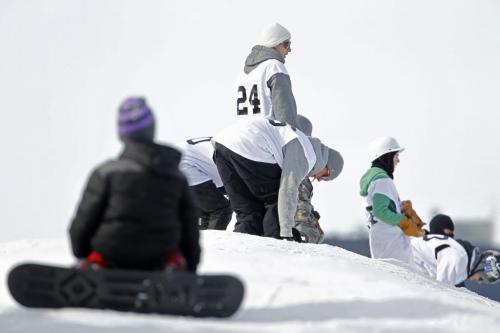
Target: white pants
(389,242)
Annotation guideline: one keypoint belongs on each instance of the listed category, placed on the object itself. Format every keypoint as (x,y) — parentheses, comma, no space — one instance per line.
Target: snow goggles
(491,270)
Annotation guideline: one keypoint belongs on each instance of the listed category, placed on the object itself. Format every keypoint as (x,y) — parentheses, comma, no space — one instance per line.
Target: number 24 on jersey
(253,101)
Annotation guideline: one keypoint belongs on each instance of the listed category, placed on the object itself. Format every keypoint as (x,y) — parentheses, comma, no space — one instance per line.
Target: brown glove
(411,214)
(410,228)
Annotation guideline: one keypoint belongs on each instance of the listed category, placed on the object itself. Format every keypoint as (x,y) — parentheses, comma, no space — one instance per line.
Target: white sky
(426,72)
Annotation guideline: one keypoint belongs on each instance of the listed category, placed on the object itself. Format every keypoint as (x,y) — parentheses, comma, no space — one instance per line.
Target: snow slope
(423,71)
(290,287)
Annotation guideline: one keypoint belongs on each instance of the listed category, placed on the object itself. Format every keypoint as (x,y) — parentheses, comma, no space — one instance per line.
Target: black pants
(253,189)
(215,209)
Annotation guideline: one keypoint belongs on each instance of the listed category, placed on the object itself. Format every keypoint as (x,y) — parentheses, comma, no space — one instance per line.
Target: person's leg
(249,210)
(305,220)
(215,207)
(271,223)
(263,181)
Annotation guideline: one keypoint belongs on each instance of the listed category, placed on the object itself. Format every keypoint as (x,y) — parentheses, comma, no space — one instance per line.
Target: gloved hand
(410,228)
(296,236)
(412,214)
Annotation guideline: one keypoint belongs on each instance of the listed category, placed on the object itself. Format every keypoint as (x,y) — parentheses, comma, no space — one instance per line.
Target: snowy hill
(290,287)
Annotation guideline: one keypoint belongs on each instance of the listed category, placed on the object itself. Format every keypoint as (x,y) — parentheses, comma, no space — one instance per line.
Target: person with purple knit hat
(136,211)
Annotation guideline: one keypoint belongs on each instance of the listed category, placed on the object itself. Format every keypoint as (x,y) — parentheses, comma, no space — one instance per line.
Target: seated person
(390,221)
(453,261)
(136,211)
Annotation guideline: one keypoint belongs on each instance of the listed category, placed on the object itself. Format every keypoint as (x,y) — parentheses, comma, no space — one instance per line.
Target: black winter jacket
(136,209)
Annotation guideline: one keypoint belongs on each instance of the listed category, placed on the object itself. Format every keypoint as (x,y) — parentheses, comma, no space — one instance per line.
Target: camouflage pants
(305,220)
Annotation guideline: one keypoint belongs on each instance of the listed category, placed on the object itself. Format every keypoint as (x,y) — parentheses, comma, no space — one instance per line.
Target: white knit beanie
(274,35)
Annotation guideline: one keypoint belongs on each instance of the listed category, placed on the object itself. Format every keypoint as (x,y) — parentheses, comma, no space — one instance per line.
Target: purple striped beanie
(136,120)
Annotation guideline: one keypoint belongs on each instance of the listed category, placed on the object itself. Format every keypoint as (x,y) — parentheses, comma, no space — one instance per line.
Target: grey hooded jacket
(284,106)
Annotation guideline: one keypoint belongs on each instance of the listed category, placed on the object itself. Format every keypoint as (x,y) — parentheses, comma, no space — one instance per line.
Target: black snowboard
(175,293)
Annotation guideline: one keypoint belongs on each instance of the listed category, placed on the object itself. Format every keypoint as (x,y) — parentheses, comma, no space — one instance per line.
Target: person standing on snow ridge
(453,261)
(264,86)
(261,163)
(306,218)
(390,220)
(265,90)
(136,211)
(204,181)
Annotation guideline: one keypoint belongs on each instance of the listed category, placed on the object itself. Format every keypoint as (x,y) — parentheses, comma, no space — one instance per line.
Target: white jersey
(254,96)
(197,162)
(441,258)
(386,187)
(262,140)
(387,241)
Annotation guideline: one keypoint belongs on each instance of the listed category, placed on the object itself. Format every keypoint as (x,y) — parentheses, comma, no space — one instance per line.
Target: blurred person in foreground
(136,211)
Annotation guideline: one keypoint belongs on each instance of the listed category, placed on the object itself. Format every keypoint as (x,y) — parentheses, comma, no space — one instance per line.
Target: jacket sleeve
(384,209)
(190,234)
(284,106)
(88,214)
(294,170)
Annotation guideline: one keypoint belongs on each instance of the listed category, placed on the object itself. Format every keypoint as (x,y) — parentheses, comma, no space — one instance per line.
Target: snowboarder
(389,225)
(204,181)
(136,211)
(264,86)
(306,218)
(454,261)
(261,163)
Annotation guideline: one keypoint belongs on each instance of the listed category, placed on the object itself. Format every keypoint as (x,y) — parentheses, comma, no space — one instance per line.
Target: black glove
(296,236)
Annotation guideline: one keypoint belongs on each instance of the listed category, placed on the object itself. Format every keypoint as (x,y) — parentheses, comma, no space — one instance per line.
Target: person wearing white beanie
(274,35)
(264,86)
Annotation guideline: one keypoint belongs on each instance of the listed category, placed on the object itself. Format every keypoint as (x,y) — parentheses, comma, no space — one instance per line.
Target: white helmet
(381,146)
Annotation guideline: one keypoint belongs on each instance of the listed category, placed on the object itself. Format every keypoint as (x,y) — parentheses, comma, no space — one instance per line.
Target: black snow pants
(252,188)
(215,208)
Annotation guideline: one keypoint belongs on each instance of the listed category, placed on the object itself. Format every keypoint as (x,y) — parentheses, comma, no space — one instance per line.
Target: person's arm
(284,106)
(294,170)
(384,209)
(451,266)
(190,234)
(88,215)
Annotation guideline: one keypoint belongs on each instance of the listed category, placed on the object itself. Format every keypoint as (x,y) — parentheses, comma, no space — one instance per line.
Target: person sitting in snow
(262,163)
(452,261)
(136,211)
(390,220)
(205,183)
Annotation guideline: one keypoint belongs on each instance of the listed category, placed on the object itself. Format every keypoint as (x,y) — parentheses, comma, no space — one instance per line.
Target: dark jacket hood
(157,158)
(260,54)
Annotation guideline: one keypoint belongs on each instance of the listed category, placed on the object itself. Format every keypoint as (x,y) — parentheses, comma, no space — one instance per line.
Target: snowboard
(174,293)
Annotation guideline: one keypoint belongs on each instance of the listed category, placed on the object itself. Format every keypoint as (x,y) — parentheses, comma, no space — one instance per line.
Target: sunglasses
(287,44)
